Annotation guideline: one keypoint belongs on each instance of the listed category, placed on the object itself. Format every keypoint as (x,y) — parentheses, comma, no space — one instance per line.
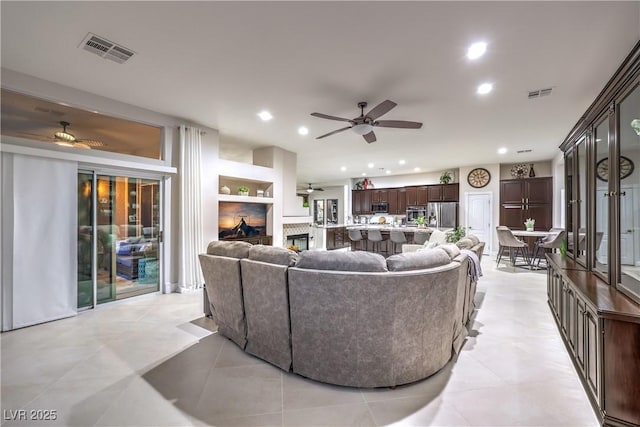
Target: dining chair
(549,244)
(507,240)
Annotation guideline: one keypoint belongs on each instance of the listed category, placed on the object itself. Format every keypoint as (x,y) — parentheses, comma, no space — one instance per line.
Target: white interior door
(478,217)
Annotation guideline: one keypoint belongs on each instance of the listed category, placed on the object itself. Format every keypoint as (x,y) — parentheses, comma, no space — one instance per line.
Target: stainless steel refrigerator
(442,214)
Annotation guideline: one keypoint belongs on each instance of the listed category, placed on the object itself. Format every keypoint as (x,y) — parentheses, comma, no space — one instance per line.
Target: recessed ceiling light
(387,172)
(476,50)
(265,115)
(402,162)
(370,165)
(598,139)
(303,130)
(364,174)
(416,169)
(343,168)
(502,150)
(484,88)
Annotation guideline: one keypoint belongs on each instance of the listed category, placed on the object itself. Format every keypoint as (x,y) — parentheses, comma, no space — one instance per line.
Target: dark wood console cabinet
(601,330)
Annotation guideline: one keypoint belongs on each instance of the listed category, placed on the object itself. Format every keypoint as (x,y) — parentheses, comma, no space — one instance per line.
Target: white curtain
(190,228)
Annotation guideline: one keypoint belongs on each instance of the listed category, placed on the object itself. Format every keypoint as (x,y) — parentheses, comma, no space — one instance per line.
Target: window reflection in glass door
(85,240)
(128,229)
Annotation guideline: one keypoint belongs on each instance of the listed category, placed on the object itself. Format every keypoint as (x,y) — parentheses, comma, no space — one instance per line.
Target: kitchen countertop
(383,227)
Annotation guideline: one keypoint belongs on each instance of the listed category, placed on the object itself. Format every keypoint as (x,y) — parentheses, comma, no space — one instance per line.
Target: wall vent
(539,93)
(106,49)
(523,151)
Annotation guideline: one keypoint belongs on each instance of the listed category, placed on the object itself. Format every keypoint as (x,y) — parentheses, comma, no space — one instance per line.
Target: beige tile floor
(153,361)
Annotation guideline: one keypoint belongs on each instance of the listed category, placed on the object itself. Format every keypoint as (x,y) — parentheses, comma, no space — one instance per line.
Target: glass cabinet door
(628,132)
(600,257)
(569,197)
(580,204)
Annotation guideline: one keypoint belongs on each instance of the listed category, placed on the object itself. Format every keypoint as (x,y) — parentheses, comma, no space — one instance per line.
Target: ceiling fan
(364,124)
(67,139)
(309,190)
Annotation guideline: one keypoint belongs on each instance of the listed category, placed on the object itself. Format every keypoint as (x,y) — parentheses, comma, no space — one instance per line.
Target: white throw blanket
(475,271)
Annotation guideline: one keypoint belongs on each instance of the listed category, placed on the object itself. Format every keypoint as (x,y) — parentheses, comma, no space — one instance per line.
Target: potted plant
(456,234)
(446,177)
(243,190)
(529,224)
(420,221)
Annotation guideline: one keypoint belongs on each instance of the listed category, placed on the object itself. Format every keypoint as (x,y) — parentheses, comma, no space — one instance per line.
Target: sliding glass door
(126,239)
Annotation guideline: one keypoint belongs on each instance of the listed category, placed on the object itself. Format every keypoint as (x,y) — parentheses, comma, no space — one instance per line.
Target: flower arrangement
(529,224)
(243,190)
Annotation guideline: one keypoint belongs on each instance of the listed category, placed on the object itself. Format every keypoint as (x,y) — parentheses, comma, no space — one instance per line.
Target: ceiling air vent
(523,151)
(106,49)
(540,92)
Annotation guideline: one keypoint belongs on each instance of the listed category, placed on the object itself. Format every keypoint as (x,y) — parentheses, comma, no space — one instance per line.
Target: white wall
(336,192)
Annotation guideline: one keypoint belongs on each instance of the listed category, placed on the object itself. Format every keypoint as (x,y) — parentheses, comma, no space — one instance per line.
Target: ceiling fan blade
(326,116)
(398,124)
(369,137)
(335,131)
(383,108)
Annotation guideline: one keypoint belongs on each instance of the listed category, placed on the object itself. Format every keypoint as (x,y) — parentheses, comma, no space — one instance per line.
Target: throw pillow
(474,239)
(451,249)
(438,236)
(465,243)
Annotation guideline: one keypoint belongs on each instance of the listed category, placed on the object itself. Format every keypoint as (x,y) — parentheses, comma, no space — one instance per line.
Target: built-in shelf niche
(254,185)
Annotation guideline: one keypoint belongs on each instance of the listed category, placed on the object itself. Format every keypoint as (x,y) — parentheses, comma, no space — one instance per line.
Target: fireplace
(301,241)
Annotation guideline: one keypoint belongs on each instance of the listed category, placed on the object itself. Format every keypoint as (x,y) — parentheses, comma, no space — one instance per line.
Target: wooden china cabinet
(594,290)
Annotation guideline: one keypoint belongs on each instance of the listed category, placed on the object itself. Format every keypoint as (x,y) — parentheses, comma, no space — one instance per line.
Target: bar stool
(375,237)
(355,236)
(397,238)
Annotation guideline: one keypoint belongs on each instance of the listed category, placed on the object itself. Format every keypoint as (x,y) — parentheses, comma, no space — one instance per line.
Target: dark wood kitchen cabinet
(412,196)
(443,193)
(402,202)
(360,203)
(392,199)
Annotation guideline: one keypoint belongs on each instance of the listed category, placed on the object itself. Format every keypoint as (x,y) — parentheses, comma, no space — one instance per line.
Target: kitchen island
(336,236)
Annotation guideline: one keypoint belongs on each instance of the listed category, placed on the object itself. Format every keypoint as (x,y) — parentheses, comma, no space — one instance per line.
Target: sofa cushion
(273,255)
(465,243)
(418,260)
(474,239)
(451,249)
(440,237)
(342,261)
(229,249)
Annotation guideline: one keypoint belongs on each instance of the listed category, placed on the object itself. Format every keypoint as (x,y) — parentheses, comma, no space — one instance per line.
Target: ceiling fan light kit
(65,137)
(363,125)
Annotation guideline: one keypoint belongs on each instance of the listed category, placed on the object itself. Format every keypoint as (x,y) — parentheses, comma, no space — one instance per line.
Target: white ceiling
(220,63)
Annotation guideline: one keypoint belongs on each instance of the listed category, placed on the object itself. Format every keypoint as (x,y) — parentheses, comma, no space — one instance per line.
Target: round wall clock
(602,168)
(478,177)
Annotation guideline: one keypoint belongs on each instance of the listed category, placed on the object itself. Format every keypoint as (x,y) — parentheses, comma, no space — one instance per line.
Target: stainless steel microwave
(380,207)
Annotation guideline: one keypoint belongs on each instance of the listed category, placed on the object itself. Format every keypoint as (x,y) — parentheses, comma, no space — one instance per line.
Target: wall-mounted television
(240,220)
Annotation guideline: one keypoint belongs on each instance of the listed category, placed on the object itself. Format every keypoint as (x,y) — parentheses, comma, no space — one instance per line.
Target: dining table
(538,234)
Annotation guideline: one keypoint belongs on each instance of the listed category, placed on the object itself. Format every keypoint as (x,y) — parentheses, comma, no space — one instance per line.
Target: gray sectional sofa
(347,318)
